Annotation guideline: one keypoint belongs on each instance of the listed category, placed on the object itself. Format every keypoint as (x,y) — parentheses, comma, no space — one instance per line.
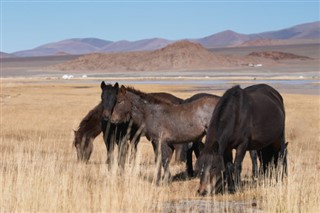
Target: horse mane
(148,97)
(223,120)
(85,122)
(224,104)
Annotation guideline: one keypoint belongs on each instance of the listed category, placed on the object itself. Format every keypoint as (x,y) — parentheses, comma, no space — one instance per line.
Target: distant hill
(6,55)
(70,46)
(141,45)
(223,39)
(226,38)
(302,31)
(182,55)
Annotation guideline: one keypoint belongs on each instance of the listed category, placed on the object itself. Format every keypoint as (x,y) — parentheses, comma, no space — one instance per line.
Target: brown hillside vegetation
(274,55)
(182,55)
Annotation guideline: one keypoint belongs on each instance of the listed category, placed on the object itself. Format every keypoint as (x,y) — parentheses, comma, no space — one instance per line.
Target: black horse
(244,119)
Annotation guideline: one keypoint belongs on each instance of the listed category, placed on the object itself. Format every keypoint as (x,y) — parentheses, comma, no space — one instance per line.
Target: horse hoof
(231,190)
(203,193)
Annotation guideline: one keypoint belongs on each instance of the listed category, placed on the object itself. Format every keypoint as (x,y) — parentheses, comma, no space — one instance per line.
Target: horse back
(167,97)
(267,114)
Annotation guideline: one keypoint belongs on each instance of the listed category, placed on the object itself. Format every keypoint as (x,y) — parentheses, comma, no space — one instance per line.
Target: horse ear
(116,85)
(123,89)
(103,85)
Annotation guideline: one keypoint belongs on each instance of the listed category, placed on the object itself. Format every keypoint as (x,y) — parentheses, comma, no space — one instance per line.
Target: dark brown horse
(164,124)
(93,124)
(89,128)
(244,119)
(108,102)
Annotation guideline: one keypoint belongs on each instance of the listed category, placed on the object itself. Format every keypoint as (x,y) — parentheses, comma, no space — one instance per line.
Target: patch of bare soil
(275,55)
(183,55)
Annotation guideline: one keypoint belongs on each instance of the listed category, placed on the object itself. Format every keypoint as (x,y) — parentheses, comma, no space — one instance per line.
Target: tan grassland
(39,171)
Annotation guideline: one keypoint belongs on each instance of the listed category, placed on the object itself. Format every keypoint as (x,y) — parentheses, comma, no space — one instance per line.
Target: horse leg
(229,170)
(122,150)
(254,158)
(108,131)
(197,147)
(166,155)
(283,154)
(179,152)
(133,150)
(109,142)
(155,150)
(240,153)
(189,162)
(87,147)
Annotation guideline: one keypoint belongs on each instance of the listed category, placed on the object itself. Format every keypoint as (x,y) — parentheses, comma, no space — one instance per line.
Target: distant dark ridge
(277,55)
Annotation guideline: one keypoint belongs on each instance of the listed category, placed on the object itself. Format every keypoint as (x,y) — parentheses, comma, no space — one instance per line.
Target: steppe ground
(38,167)
(39,171)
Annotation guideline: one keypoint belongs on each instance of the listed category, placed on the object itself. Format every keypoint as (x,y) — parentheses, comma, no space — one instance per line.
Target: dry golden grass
(39,171)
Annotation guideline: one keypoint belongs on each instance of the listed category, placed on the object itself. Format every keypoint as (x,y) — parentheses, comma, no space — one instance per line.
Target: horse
(89,128)
(93,124)
(244,119)
(163,123)
(108,101)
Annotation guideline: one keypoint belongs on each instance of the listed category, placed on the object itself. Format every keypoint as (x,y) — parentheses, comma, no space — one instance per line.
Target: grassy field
(39,171)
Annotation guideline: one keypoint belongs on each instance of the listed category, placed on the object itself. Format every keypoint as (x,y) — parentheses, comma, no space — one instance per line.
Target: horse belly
(267,124)
(184,134)
(264,135)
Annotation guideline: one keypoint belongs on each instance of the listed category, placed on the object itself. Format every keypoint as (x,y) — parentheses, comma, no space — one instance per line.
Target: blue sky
(30,23)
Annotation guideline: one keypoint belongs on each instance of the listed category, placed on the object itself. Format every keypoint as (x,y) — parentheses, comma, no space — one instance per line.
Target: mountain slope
(140,45)
(69,46)
(182,55)
(6,55)
(222,39)
(302,31)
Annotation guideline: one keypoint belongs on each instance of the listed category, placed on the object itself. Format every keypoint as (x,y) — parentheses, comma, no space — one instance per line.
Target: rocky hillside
(182,55)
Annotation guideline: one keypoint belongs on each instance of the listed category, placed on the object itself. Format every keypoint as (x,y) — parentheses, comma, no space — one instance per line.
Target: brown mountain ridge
(182,55)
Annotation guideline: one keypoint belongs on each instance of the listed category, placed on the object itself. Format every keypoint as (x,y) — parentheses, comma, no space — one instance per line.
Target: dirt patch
(210,206)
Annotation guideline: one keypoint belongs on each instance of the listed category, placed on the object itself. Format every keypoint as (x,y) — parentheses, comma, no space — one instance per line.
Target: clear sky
(26,24)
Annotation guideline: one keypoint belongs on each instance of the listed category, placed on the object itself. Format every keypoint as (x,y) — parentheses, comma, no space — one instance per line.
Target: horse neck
(90,131)
(138,109)
(227,118)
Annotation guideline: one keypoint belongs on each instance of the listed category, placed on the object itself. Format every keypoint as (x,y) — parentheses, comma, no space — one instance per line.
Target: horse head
(122,109)
(83,146)
(210,167)
(108,97)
